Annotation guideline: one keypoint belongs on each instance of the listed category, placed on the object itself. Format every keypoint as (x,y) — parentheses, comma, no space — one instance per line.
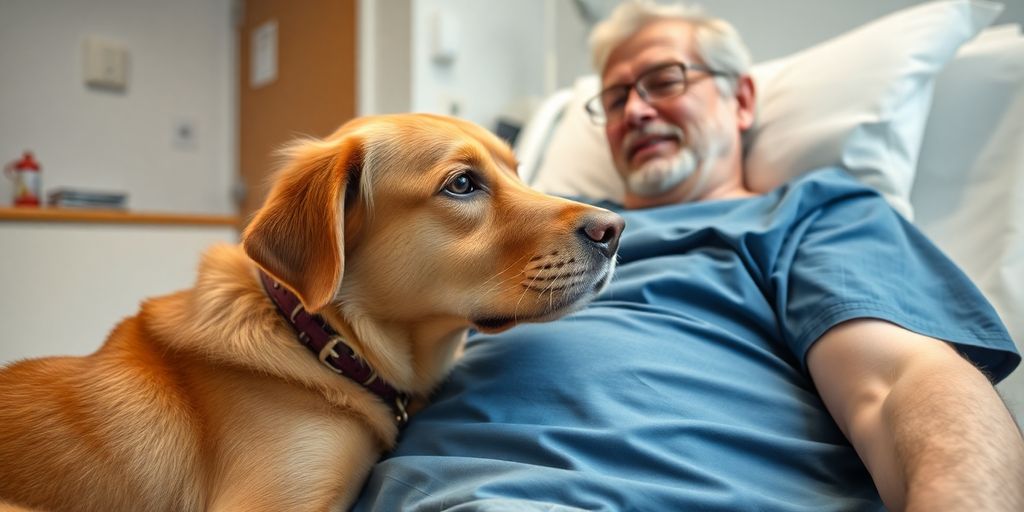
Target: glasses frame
(595,109)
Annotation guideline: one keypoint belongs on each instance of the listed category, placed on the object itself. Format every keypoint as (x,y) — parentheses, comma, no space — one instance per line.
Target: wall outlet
(186,134)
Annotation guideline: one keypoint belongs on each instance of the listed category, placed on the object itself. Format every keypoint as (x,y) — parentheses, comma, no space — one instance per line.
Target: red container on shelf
(27,183)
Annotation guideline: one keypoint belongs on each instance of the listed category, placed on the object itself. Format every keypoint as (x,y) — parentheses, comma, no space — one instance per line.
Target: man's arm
(927,424)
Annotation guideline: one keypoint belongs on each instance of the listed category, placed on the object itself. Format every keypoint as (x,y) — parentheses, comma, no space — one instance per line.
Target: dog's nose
(603,230)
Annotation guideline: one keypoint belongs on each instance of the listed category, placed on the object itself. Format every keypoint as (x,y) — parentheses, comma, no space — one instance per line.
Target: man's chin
(656,177)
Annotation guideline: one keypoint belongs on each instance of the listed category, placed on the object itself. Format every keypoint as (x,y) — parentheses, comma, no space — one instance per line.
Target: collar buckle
(328,351)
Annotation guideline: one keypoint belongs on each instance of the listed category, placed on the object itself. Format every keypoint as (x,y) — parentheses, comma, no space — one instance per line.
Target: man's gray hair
(718,44)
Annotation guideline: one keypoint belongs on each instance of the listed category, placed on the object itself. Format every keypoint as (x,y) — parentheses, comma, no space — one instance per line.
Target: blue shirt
(684,386)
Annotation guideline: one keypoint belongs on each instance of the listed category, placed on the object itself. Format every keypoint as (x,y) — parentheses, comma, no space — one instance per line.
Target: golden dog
(390,239)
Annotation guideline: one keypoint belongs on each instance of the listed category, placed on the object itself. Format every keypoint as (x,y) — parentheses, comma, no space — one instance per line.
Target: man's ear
(746,102)
(296,237)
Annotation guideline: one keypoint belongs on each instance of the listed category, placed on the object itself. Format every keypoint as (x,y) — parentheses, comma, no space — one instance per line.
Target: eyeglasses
(659,83)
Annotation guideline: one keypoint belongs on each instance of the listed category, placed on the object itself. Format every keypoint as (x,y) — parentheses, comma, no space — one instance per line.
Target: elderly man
(805,349)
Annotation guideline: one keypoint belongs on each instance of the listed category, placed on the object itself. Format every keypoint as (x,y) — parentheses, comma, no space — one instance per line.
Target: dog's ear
(296,237)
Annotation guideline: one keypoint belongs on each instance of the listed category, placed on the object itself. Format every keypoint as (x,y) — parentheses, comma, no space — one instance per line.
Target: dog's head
(419,217)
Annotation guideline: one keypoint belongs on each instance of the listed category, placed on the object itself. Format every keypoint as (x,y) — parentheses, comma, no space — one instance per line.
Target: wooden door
(313,93)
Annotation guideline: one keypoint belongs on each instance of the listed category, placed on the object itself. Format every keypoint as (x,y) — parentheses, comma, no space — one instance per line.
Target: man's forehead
(655,43)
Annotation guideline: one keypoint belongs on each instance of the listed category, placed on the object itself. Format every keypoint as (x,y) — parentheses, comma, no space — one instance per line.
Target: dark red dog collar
(330,347)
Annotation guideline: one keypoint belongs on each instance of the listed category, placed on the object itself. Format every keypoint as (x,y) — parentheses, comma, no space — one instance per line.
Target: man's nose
(637,109)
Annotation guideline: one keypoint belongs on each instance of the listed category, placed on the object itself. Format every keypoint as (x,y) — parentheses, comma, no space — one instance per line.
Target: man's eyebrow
(618,85)
(645,69)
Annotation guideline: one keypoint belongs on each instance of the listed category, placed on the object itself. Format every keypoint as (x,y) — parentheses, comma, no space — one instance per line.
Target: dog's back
(119,413)
(142,425)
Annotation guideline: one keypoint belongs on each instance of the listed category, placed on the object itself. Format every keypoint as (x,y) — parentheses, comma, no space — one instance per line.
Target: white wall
(70,284)
(182,66)
(497,66)
(385,56)
(499,61)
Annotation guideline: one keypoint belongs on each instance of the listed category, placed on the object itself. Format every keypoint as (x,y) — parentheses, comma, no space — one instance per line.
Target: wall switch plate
(444,37)
(263,55)
(106,64)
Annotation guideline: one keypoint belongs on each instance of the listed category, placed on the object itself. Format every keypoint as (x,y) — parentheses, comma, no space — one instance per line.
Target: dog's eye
(461,185)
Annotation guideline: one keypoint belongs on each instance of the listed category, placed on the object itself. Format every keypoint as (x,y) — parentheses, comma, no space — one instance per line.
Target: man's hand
(927,424)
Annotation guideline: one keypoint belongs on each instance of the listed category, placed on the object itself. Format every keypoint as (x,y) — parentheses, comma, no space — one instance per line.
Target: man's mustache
(649,131)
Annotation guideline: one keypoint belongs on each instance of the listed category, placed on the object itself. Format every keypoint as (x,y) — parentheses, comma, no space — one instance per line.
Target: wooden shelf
(47,214)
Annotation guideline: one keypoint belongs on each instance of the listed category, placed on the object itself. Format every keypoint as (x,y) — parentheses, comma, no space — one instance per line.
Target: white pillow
(578,161)
(860,100)
(532,143)
(969,191)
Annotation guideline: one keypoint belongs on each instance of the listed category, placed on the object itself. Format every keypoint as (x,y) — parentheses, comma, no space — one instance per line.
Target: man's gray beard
(661,175)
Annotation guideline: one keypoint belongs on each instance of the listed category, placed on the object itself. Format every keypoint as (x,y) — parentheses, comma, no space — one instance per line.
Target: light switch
(106,63)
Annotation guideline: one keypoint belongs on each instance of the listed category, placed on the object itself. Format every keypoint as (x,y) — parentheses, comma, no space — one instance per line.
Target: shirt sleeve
(854,257)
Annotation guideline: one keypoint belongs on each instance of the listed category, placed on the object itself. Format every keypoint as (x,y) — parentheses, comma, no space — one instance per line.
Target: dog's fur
(205,400)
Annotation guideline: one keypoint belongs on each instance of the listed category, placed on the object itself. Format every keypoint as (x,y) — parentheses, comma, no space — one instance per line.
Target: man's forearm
(929,426)
(957,447)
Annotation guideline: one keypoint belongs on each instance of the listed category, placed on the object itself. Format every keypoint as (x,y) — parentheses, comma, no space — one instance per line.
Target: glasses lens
(663,82)
(613,100)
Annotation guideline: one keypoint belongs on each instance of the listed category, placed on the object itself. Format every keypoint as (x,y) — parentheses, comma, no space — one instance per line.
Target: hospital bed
(926,105)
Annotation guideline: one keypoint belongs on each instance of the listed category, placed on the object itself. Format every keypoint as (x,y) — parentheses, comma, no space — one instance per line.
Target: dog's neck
(413,357)
(331,348)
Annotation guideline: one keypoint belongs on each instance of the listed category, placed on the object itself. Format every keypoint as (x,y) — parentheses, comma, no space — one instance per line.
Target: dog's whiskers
(550,287)
(493,287)
(482,296)
(551,294)
(554,283)
(541,256)
(559,264)
(564,275)
(504,270)
(515,310)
